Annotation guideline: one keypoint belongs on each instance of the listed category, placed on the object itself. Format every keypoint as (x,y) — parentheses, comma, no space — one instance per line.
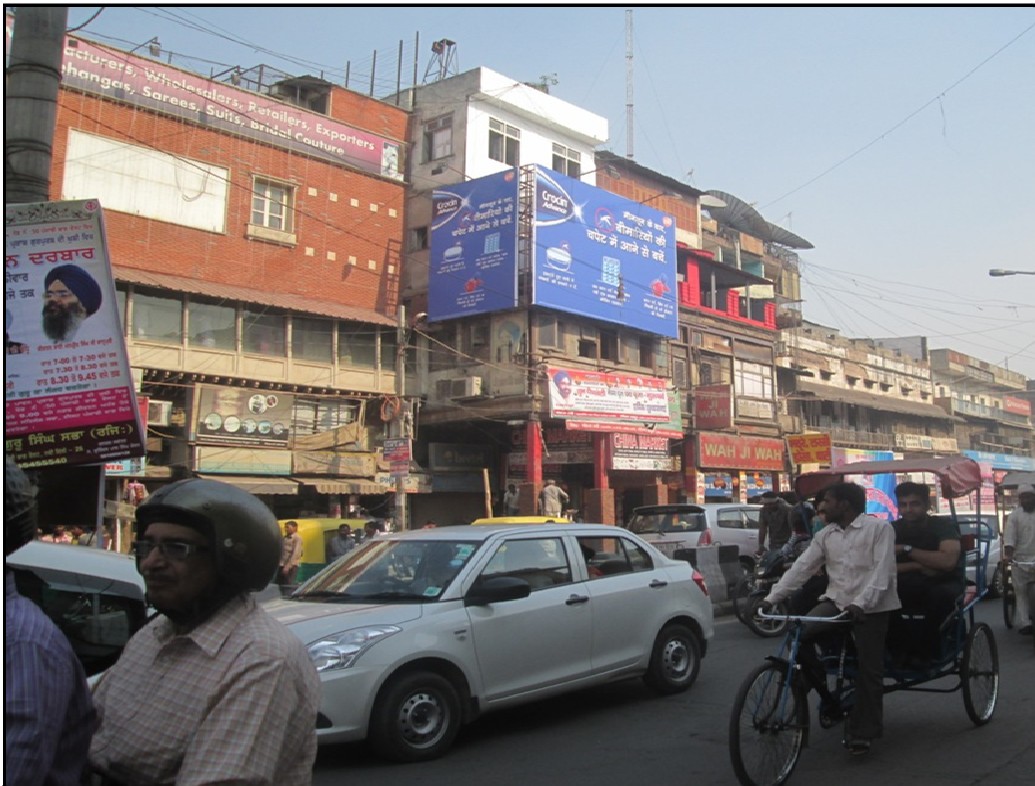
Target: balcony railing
(960,407)
(865,439)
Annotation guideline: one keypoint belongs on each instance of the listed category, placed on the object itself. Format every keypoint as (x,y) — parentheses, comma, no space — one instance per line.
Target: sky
(899,141)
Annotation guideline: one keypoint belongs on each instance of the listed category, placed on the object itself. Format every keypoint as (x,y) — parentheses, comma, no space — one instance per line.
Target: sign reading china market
(729,451)
(69,396)
(641,452)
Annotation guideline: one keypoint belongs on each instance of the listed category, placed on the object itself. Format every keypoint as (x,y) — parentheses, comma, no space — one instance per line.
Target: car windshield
(666,521)
(386,569)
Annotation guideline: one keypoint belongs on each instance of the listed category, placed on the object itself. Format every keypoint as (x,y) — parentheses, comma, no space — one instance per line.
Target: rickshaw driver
(1019,544)
(931,576)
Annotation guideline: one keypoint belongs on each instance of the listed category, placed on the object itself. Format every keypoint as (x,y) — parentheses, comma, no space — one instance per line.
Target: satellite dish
(738,214)
(709,200)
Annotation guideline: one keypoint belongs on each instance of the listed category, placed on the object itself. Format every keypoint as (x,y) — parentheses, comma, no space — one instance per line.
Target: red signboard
(729,451)
(809,448)
(1017,406)
(713,406)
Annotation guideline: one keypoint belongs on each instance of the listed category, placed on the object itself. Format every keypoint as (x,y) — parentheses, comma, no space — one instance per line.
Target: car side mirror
(497,590)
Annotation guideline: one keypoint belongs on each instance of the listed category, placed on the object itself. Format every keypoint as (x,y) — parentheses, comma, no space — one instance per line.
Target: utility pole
(629,83)
(402,338)
(30,107)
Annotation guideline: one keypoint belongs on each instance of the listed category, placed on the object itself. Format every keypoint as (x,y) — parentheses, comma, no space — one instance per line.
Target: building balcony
(969,409)
(855,438)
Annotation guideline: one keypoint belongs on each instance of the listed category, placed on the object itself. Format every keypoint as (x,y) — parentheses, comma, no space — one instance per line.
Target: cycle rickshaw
(769,723)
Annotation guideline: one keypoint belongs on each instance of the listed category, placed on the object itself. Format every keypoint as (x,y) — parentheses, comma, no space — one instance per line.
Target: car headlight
(340,650)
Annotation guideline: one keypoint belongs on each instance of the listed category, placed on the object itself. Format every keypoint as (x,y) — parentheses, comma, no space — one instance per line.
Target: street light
(996,272)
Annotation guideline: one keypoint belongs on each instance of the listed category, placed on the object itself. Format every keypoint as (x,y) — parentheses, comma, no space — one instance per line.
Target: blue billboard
(603,256)
(472,268)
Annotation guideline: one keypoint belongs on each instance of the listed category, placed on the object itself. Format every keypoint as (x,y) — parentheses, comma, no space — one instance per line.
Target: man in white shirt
(858,552)
(1019,544)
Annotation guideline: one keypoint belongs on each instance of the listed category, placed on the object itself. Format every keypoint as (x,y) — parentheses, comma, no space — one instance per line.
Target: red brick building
(255,230)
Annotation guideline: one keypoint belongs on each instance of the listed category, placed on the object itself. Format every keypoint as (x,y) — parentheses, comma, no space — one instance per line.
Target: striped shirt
(48,714)
(233,701)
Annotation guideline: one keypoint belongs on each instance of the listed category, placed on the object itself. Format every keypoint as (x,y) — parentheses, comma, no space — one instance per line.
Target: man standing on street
(510,500)
(774,521)
(290,555)
(1019,544)
(858,552)
(214,690)
(552,498)
(48,713)
(341,544)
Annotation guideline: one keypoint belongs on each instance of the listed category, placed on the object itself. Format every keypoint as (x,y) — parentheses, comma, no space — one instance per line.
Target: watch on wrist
(907,549)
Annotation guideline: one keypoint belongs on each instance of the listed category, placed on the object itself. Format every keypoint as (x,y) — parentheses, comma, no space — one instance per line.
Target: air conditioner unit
(159,412)
(465,387)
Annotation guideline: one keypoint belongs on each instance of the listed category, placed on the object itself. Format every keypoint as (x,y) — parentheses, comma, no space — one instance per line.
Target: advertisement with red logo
(722,451)
(597,395)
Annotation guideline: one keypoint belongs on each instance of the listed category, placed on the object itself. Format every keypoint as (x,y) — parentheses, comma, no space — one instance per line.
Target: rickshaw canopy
(957,475)
(1012,480)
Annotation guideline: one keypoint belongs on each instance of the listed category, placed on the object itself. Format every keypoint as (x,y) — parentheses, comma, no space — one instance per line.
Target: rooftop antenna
(629,83)
(444,60)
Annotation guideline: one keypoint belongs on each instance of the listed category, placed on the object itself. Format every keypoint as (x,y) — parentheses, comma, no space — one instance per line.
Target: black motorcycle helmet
(243,532)
(19,507)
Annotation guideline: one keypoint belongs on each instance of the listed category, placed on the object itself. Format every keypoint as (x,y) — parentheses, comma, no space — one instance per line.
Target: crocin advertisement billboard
(472,267)
(603,256)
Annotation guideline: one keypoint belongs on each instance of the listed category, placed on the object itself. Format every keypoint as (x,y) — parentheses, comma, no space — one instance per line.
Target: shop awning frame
(344,485)
(258,485)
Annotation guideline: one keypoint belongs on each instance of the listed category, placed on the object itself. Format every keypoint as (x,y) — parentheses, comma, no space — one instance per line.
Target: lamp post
(998,272)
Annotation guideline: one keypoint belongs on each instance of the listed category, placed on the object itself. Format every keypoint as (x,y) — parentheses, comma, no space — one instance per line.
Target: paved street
(621,734)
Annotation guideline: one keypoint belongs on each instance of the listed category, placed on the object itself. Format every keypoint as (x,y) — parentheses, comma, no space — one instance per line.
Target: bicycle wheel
(979,674)
(768,726)
(744,588)
(766,628)
(1009,599)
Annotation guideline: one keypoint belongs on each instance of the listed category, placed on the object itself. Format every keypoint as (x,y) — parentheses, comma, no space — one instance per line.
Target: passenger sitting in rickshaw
(930,564)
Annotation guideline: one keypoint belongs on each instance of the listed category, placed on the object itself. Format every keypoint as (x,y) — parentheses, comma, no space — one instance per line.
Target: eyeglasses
(177,550)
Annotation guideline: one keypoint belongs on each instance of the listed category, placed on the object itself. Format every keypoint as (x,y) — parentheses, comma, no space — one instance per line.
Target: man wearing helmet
(213,690)
(48,715)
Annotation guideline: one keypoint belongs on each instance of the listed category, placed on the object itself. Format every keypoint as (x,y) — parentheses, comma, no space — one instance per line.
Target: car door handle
(575,600)
(658,583)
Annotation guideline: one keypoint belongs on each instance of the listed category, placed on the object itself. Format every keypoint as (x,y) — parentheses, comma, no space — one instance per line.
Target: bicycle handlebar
(844,616)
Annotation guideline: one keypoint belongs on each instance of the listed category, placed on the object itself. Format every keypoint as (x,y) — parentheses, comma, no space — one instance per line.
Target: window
(272,203)
(212,325)
(417,239)
(504,142)
(587,348)
(388,354)
(753,379)
(567,161)
(548,333)
(647,353)
(437,139)
(311,338)
(608,345)
(357,345)
(157,318)
(263,334)
(679,378)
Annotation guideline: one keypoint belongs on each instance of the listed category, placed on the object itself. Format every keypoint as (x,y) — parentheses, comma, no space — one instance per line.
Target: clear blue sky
(899,141)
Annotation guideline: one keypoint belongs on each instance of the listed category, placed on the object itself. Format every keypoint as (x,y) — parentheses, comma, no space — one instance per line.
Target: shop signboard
(713,407)
(809,448)
(731,451)
(641,452)
(596,395)
(398,452)
(242,416)
(69,395)
(603,256)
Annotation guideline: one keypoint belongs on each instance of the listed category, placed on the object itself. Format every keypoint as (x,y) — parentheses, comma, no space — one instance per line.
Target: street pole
(400,428)
(33,76)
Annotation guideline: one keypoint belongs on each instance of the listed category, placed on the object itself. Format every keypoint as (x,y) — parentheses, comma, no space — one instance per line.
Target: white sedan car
(416,633)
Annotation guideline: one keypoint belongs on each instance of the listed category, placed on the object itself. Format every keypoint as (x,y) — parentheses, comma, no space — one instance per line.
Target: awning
(231,292)
(856,370)
(873,400)
(258,485)
(344,486)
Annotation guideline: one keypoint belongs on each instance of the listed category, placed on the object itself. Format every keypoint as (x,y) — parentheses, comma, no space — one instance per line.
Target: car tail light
(705,539)
(699,581)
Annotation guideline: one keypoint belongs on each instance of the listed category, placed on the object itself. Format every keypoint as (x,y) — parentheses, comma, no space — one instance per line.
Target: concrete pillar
(600,506)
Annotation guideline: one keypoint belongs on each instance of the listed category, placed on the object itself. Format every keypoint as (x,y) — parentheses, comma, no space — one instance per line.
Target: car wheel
(675,660)
(416,717)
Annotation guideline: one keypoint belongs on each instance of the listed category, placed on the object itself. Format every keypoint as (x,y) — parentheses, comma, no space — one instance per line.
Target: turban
(80,282)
